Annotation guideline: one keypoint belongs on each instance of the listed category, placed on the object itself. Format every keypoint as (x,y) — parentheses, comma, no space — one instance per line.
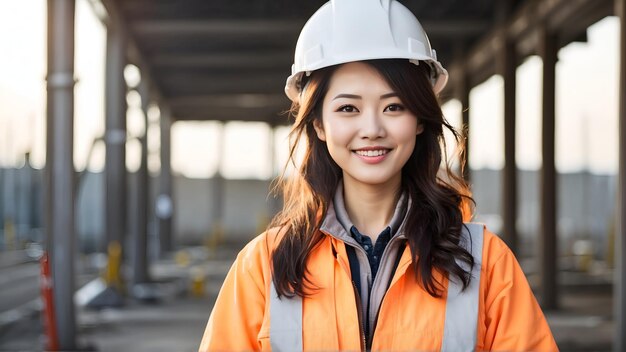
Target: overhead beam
(264,27)
(456,28)
(134,55)
(245,101)
(274,116)
(522,28)
(189,83)
(229,27)
(277,59)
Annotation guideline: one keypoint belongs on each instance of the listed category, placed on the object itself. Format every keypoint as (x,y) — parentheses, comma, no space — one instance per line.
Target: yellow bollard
(112,274)
(182,258)
(216,235)
(197,281)
(9,234)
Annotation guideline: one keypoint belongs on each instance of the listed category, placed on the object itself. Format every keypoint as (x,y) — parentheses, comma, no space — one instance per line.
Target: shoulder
(493,247)
(258,251)
(495,256)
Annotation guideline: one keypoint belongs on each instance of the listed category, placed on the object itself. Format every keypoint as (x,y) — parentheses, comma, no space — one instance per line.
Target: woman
(370,250)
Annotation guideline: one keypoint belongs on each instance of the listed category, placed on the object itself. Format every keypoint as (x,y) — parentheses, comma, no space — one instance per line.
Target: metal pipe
(620,272)
(548,241)
(59,198)
(508,65)
(115,135)
(164,206)
(140,233)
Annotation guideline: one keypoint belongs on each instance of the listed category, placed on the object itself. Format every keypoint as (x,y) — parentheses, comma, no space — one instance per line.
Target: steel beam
(521,27)
(115,135)
(59,198)
(218,187)
(620,270)
(507,67)
(140,230)
(269,59)
(264,28)
(164,205)
(548,239)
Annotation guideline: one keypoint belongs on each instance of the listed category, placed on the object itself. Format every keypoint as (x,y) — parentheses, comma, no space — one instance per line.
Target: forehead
(357,77)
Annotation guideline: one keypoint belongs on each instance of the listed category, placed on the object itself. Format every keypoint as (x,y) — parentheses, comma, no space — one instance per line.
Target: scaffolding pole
(115,135)
(548,241)
(620,272)
(507,68)
(59,200)
(140,228)
(164,203)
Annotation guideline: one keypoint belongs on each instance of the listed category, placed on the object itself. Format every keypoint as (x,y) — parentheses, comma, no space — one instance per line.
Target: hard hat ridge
(344,31)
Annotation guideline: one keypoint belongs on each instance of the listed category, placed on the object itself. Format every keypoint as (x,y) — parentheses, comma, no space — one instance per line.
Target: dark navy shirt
(374,252)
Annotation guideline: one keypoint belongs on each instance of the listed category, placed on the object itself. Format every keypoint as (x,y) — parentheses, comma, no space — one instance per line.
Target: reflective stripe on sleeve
(460,329)
(285,322)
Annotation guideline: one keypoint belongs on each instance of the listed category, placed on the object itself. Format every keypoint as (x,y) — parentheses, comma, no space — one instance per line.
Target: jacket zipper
(359,307)
(360,316)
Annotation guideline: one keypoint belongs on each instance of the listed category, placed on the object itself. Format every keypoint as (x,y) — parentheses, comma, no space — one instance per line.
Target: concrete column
(140,230)
(507,67)
(59,170)
(218,190)
(548,240)
(164,202)
(620,269)
(115,135)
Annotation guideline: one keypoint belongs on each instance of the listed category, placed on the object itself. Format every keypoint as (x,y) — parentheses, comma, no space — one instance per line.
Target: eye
(394,108)
(347,108)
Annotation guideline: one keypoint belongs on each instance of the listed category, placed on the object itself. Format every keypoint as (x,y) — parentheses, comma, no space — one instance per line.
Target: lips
(372,155)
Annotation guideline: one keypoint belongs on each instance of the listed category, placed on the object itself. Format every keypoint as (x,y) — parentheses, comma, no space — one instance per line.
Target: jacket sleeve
(513,319)
(237,316)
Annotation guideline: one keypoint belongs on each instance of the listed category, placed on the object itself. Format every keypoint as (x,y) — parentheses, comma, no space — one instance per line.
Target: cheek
(406,132)
(337,132)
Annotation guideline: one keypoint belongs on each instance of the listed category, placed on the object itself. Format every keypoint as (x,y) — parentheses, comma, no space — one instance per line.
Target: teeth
(371,152)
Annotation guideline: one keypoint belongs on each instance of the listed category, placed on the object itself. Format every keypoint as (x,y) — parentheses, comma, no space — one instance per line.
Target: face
(369,132)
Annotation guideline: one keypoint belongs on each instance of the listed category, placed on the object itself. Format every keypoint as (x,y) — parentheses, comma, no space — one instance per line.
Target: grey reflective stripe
(460,329)
(285,322)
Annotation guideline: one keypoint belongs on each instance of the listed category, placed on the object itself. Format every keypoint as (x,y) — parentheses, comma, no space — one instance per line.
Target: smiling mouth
(376,152)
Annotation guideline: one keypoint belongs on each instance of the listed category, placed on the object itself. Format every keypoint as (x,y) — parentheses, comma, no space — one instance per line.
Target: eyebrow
(354,96)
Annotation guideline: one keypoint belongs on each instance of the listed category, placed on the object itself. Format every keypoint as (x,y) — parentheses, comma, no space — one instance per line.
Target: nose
(372,126)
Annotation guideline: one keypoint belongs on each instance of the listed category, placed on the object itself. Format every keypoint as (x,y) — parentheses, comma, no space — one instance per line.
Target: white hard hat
(344,31)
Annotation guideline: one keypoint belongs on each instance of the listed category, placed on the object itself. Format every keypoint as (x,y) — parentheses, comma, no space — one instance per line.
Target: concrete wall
(246,208)
(586,204)
(586,207)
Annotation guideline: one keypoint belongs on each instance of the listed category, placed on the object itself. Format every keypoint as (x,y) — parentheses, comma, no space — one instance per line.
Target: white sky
(586,106)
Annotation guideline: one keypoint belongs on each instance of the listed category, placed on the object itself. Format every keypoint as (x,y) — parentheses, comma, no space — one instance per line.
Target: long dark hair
(435,218)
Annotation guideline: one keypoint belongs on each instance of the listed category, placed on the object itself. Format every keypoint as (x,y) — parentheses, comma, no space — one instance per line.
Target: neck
(371,208)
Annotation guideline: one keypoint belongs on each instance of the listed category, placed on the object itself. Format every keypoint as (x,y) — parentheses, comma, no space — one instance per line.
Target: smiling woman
(371,251)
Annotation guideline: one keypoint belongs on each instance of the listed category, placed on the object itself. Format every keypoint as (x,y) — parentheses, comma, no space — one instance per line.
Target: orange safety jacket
(497,312)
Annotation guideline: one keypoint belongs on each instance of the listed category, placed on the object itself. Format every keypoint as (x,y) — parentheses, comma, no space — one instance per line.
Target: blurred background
(139,140)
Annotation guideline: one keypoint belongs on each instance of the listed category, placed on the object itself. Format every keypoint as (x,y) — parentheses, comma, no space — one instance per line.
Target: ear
(420,128)
(319,130)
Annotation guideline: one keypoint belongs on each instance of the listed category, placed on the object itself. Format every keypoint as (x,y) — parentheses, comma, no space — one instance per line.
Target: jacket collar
(337,223)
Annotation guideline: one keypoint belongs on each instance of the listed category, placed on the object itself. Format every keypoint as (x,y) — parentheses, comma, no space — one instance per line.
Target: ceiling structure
(228,60)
